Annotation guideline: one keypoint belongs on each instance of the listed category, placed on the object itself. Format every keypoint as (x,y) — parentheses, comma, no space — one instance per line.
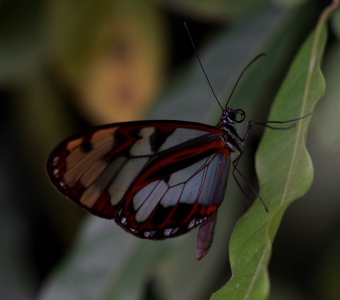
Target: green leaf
(284,169)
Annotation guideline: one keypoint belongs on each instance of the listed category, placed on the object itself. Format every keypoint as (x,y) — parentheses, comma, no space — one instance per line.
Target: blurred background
(66,65)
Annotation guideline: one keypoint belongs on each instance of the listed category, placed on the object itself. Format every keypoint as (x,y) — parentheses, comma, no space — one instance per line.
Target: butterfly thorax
(227,124)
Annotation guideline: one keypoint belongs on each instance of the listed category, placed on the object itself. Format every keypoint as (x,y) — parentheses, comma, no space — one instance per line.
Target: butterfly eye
(240,115)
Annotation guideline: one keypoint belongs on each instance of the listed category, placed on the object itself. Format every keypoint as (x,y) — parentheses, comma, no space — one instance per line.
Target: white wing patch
(192,189)
(92,193)
(125,177)
(151,201)
(172,195)
(181,135)
(143,194)
(142,146)
(195,183)
(184,174)
(215,181)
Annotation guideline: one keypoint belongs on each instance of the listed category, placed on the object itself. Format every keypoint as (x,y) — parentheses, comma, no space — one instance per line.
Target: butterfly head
(232,116)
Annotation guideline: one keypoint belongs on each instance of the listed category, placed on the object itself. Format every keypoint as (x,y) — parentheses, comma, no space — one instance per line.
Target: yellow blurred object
(111,53)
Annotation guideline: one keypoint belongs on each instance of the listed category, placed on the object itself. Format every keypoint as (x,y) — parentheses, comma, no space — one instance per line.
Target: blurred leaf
(327,116)
(284,169)
(111,53)
(336,23)
(104,255)
(215,10)
(289,3)
(283,290)
(20,39)
(327,277)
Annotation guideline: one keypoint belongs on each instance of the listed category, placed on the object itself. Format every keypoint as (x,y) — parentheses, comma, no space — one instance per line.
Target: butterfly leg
(244,139)
(235,169)
(265,124)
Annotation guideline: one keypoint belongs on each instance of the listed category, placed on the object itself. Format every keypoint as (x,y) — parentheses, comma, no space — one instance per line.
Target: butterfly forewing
(156,179)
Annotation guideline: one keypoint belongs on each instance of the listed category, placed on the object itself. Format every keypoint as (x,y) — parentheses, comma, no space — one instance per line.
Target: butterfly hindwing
(156,179)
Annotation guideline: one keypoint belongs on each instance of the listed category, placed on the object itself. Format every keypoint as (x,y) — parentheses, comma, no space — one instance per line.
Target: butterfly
(156,179)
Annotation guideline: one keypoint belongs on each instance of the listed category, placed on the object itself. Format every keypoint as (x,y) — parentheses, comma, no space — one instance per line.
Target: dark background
(38,83)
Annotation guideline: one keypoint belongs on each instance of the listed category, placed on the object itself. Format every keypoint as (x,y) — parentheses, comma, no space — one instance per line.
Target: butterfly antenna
(198,58)
(239,78)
